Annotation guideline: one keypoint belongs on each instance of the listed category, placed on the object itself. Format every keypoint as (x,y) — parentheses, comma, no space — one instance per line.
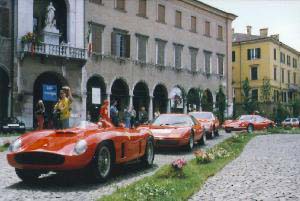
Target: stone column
(83,107)
(108,99)
(150,109)
(169,106)
(130,101)
(185,107)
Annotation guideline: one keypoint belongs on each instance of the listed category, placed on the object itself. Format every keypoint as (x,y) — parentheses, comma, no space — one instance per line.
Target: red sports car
(175,130)
(248,123)
(93,147)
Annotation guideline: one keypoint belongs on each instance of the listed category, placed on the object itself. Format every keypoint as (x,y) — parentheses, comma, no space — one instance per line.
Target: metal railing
(55,50)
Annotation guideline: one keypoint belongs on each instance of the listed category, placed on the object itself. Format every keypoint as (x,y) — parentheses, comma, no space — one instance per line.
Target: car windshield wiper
(176,123)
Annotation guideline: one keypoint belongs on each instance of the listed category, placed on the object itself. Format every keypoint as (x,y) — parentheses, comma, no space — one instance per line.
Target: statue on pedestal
(50,21)
(50,32)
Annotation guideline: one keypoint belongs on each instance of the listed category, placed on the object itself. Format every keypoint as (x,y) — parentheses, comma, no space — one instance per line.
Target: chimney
(264,32)
(249,28)
(275,36)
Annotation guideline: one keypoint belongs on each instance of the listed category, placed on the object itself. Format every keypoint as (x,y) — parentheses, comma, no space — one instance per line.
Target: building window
(295,78)
(96,1)
(274,54)
(178,19)
(220,32)
(289,77)
(97,31)
(193,53)
(177,55)
(120,44)
(233,56)
(275,73)
(142,8)
(288,60)
(120,4)
(142,47)
(207,28)
(254,94)
(207,62)
(253,53)
(282,75)
(4,22)
(161,13)
(160,52)
(282,58)
(221,64)
(193,24)
(254,73)
(294,63)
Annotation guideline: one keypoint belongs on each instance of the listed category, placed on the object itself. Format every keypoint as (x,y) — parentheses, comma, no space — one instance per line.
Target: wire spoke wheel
(104,161)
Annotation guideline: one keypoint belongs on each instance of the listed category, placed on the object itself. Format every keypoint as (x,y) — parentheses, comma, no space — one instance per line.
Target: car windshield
(85,125)
(245,118)
(288,119)
(173,120)
(202,115)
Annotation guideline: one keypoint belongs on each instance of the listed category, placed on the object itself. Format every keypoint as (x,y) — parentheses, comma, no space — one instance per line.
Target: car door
(261,123)
(134,144)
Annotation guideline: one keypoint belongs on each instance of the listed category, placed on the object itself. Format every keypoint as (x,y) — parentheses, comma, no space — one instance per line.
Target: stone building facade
(147,53)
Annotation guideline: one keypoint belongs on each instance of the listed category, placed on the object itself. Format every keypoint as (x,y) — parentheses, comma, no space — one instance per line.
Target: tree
(221,104)
(249,105)
(207,101)
(266,90)
(296,107)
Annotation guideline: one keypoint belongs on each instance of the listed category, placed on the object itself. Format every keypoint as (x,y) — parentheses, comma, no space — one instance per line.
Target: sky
(279,16)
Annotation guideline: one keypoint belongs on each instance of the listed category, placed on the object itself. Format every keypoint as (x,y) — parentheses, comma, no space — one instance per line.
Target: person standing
(133,117)
(156,113)
(127,117)
(104,111)
(114,114)
(39,112)
(143,116)
(63,106)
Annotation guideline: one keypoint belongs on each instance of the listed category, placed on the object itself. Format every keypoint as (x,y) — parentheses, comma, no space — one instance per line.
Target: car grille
(166,142)
(39,158)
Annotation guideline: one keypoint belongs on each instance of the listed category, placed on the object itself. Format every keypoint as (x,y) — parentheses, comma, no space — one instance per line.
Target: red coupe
(92,147)
(248,123)
(175,130)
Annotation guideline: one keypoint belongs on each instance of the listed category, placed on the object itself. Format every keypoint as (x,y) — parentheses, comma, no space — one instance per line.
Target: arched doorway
(177,100)
(140,96)
(193,100)
(207,102)
(160,98)
(96,94)
(61,11)
(4,82)
(120,93)
(46,88)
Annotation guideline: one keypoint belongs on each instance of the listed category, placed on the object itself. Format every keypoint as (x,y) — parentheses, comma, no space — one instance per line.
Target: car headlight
(15,146)
(80,147)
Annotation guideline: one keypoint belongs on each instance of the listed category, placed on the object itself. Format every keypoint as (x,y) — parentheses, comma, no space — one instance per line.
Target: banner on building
(96,96)
(49,92)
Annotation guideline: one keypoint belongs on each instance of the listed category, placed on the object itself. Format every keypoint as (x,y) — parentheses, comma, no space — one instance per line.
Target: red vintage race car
(248,123)
(175,130)
(92,147)
(209,121)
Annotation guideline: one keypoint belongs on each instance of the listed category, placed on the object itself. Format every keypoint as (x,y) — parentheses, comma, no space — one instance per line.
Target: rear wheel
(148,157)
(270,126)
(103,162)
(28,175)
(250,128)
(227,130)
(216,131)
(191,142)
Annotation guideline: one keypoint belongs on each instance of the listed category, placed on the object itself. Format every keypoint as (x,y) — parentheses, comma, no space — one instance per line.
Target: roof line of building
(269,39)
(211,9)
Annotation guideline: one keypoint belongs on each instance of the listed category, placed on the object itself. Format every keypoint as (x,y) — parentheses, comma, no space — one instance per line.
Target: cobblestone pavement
(66,187)
(268,169)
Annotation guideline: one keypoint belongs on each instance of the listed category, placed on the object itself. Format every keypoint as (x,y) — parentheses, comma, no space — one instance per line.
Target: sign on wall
(49,92)
(96,96)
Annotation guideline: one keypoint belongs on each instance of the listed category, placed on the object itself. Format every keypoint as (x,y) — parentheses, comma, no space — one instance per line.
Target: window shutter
(97,38)
(193,24)
(249,54)
(258,53)
(127,46)
(142,41)
(113,43)
(161,13)
(178,19)
(143,8)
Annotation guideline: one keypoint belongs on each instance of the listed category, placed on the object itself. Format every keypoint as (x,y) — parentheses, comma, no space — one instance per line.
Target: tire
(102,163)
(203,139)
(28,176)
(270,126)
(250,128)
(227,130)
(209,135)
(191,142)
(147,159)
(216,132)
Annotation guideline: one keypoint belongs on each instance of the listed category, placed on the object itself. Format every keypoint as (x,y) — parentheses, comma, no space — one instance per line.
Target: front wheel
(227,130)
(148,157)
(28,176)
(250,128)
(203,139)
(103,162)
(216,132)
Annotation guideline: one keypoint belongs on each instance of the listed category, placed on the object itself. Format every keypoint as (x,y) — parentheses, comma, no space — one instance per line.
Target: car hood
(168,131)
(233,122)
(58,141)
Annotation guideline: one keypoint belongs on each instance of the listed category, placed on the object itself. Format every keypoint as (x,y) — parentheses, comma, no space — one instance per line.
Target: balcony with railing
(62,50)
